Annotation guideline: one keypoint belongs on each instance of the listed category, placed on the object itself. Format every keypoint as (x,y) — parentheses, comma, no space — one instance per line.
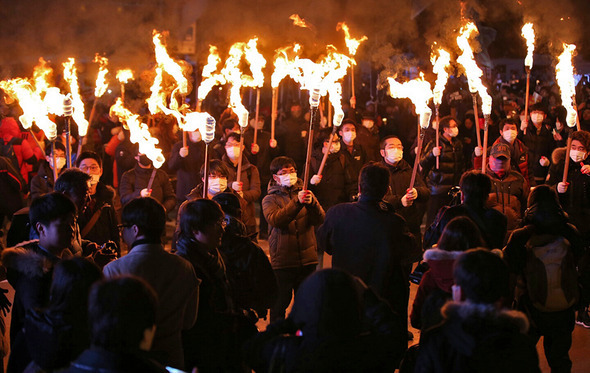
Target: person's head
(323,140)
(90,163)
(296,110)
(256,125)
(469,121)
(218,174)
(460,234)
(284,171)
(347,131)
(60,155)
(143,161)
(448,126)
(143,218)
(475,188)
(392,150)
(373,181)
(328,305)
(537,114)
(53,216)
(75,184)
(195,136)
(544,208)
(230,125)
(232,146)
(72,279)
(122,314)
(230,204)
(204,221)
(368,121)
(586,115)
(480,277)
(580,146)
(499,160)
(509,129)
(560,117)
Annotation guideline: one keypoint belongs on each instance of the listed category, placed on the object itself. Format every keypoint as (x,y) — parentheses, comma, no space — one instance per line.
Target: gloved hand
(315,179)
(305,197)
(145,193)
(585,169)
(478,151)
(273,143)
(409,197)
(183,151)
(436,151)
(237,186)
(562,187)
(523,125)
(544,162)
(255,148)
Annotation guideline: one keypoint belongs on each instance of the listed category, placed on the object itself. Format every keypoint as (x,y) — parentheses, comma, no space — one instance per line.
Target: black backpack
(7,150)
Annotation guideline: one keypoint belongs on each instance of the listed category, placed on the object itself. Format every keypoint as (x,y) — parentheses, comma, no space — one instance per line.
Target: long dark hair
(460,234)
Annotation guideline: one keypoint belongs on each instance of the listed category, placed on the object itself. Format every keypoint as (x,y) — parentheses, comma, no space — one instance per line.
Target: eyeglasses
(92,168)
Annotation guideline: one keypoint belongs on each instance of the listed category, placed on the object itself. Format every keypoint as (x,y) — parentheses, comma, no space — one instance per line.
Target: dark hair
(119,311)
(513,121)
(50,207)
(374,180)
(233,135)
(482,276)
(445,122)
(58,146)
(322,136)
(384,140)
(460,234)
(215,166)
(72,180)
(86,155)
(229,124)
(475,188)
(72,279)
(539,106)
(281,162)
(583,137)
(148,215)
(544,209)
(199,214)
(229,203)
(347,121)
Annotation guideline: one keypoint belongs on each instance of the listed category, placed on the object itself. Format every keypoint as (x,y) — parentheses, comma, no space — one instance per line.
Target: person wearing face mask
(410,204)
(43,182)
(98,221)
(291,134)
(519,153)
(539,140)
(368,136)
(560,131)
(228,125)
(509,189)
(248,188)
(186,162)
(355,153)
(134,183)
(292,215)
(451,166)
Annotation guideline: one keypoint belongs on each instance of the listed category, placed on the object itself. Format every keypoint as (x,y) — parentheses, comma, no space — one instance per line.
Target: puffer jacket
(250,189)
(27,156)
(138,178)
(451,165)
(508,196)
(519,159)
(292,241)
(337,184)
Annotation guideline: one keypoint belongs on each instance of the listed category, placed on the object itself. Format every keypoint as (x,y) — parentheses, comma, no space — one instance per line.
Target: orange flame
(351,43)
(418,91)
(124,75)
(564,72)
(157,99)
(77,104)
(257,62)
(473,72)
(298,21)
(285,65)
(439,67)
(41,74)
(233,75)
(210,79)
(52,97)
(101,81)
(168,64)
(529,34)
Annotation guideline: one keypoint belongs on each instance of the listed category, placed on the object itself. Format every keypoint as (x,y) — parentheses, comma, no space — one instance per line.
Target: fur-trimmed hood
(558,155)
(435,254)
(441,266)
(26,260)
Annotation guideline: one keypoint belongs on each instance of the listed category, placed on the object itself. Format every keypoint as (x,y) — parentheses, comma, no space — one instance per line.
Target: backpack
(550,273)
(7,150)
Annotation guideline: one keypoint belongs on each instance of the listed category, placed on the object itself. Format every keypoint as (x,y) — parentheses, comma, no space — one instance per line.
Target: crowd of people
(101,284)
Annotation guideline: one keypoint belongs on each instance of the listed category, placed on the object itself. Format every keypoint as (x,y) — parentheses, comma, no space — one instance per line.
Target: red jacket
(25,154)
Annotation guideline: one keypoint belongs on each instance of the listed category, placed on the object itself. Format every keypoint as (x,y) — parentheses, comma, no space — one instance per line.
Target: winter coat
(177,287)
(27,156)
(292,241)
(355,159)
(539,144)
(43,182)
(478,338)
(290,141)
(98,360)
(187,169)
(105,229)
(125,153)
(400,176)
(250,189)
(451,165)
(519,159)
(265,155)
(138,178)
(337,184)
(369,240)
(508,195)
(12,185)
(369,140)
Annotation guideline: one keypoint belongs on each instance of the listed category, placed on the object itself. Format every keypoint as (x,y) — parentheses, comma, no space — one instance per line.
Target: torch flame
(564,72)
(351,43)
(233,75)
(418,91)
(284,65)
(210,79)
(124,75)
(41,74)
(298,21)
(157,99)
(257,63)
(77,103)
(473,71)
(529,34)
(168,64)
(101,81)
(439,67)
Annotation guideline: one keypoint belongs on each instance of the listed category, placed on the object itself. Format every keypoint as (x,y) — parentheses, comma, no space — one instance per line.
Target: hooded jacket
(451,165)
(508,195)
(292,241)
(138,178)
(478,338)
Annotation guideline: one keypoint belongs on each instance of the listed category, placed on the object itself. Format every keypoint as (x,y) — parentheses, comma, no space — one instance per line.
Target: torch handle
(256,116)
(199,105)
(577,114)
(485,147)
(274,113)
(437,136)
(122,92)
(314,113)
(152,177)
(325,157)
(80,142)
(68,148)
(526,98)
(417,160)
(206,171)
(184,139)
(566,166)
(239,172)
(36,141)
(352,97)
(476,124)
(54,161)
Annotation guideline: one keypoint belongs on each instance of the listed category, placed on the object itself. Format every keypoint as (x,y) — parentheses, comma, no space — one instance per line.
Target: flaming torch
(209,136)
(474,74)
(335,91)
(257,63)
(210,78)
(99,91)
(564,72)
(528,33)
(77,105)
(124,76)
(440,65)
(352,45)
(419,92)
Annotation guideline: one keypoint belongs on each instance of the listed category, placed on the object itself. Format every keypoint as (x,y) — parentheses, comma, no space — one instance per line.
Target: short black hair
(199,214)
(50,207)
(513,121)
(347,121)
(539,106)
(72,279)
(374,180)
(460,234)
(119,311)
(281,162)
(384,140)
(583,137)
(148,215)
(482,276)
(322,136)
(71,180)
(229,203)
(229,124)
(86,155)
(475,187)
(233,135)
(445,122)
(58,146)
(215,166)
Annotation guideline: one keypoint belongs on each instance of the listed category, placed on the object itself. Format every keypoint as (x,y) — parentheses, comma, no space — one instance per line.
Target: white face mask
(394,155)
(233,152)
(288,180)
(577,156)
(94,179)
(509,135)
(61,162)
(368,124)
(335,148)
(349,136)
(537,118)
(195,136)
(453,131)
(217,185)
(558,125)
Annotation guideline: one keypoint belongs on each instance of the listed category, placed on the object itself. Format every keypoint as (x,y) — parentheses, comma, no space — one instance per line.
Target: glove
(303,134)
(323,122)
(183,151)
(585,169)
(409,197)
(255,148)
(562,187)
(315,179)
(273,143)
(523,125)
(237,186)
(145,193)
(544,161)
(353,102)
(436,151)
(478,151)
(305,197)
